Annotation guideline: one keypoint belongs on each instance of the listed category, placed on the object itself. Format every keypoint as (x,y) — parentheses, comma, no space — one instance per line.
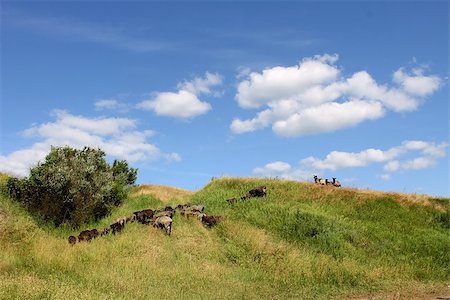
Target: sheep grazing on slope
(210,221)
(318,180)
(164,222)
(197,208)
(130,219)
(88,235)
(147,215)
(122,221)
(94,233)
(85,235)
(258,192)
(116,227)
(72,240)
(336,183)
(144,216)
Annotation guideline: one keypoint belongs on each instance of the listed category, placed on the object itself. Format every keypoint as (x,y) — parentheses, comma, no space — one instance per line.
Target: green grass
(302,241)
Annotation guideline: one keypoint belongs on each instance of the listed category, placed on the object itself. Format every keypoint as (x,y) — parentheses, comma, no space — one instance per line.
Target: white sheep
(165,223)
(122,221)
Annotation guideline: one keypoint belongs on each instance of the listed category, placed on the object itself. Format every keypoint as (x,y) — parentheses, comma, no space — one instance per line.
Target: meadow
(301,241)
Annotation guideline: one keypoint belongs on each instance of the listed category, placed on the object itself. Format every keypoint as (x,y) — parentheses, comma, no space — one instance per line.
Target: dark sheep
(94,233)
(85,235)
(139,215)
(210,221)
(146,216)
(258,192)
(72,240)
(88,235)
(116,227)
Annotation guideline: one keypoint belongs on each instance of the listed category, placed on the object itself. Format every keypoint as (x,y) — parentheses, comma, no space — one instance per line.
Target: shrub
(73,186)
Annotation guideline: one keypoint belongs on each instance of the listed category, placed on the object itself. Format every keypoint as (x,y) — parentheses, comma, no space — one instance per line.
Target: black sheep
(258,192)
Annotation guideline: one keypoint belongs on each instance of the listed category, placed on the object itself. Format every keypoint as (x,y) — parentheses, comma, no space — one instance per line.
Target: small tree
(73,186)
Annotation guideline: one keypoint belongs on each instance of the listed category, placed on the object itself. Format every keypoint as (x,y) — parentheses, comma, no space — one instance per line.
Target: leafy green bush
(73,186)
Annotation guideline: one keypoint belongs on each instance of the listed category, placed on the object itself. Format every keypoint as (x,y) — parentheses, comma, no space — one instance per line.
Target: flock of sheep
(323,181)
(162,218)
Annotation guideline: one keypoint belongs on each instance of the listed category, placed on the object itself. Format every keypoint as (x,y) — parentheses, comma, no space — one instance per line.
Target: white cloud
(185,103)
(328,117)
(281,83)
(200,85)
(282,170)
(19,162)
(312,97)
(275,167)
(83,125)
(423,162)
(118,137)
(392,166)
(428,154)
(394,159)
(417,84)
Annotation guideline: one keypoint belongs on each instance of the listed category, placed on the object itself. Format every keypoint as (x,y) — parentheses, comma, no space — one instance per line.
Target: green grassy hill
(302,241)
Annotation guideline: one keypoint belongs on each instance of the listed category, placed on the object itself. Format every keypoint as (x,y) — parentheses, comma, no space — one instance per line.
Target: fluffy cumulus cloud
(118,137)
(410,155)
(185,103)
(313,97)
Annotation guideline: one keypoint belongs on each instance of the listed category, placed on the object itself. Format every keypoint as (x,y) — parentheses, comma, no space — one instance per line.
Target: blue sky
(190,90)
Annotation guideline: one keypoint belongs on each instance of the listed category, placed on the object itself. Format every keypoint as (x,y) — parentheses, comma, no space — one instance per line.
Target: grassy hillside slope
(302,241)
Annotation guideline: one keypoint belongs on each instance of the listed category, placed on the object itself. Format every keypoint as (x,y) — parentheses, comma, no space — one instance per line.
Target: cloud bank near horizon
(410,155)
